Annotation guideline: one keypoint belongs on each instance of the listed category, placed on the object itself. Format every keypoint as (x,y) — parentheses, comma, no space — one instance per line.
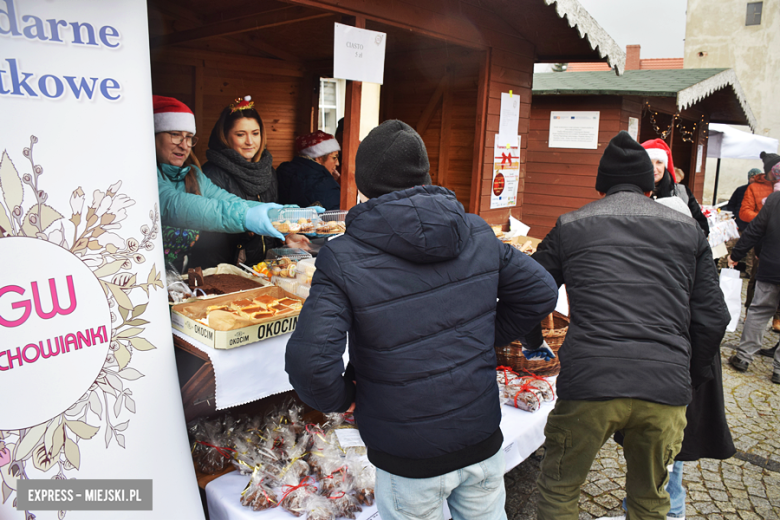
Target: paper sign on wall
(506,174)
(358,54)
(633,127)
(509,119)
(699,157)
(574,130)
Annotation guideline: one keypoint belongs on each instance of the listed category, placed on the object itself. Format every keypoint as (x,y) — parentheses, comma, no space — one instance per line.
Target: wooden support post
(479,135)
(445,137)
(351,141)
(351,136)
(430,108)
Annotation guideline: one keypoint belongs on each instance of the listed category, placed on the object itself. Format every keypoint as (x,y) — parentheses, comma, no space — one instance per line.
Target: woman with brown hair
(240,163)
(189,202)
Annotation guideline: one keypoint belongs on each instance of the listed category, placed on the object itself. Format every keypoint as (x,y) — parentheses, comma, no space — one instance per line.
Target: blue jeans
(676,492)
(476,491)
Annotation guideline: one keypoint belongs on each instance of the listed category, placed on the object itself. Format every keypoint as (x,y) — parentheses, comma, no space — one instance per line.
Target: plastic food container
(331,223)
(303,291)
(290,285)
(294,220)
(291,253)
(307,267)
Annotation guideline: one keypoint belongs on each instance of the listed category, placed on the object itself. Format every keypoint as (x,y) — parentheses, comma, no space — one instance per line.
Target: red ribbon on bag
(220,449)
(540,378)
(526,388)
(506,158)
(305,482)
(506,371)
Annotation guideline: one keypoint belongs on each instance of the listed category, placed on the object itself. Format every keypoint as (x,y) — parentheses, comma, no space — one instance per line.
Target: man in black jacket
(647,317)
(425,292)
(764,229)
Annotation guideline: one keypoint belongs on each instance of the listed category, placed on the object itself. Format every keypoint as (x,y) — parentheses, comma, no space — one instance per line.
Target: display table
(523,435)
(246,373)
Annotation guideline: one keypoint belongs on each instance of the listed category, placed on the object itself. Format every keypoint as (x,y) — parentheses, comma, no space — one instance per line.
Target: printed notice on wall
(574,130)
(358,54)
(506,174)
(699,156)
(509,119)
(633,127)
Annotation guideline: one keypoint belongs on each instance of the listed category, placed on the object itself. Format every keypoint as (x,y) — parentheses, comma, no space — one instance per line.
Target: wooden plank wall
(507,71)
(507,65)
(207,82)
(441,84)
(560,180)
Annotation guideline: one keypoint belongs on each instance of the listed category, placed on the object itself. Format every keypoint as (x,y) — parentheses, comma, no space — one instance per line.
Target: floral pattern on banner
(92,234)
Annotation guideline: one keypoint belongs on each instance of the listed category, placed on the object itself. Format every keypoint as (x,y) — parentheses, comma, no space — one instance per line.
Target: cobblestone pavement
(747,486)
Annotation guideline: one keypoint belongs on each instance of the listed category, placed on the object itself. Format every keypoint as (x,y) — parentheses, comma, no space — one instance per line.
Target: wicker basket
(554,329)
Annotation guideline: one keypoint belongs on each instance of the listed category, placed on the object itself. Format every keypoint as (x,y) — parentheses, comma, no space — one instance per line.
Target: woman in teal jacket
(189,201)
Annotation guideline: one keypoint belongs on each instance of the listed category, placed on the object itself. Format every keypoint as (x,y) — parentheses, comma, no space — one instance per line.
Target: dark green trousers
(574,434)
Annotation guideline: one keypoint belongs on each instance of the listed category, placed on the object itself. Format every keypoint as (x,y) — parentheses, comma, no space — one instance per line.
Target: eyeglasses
(178,138)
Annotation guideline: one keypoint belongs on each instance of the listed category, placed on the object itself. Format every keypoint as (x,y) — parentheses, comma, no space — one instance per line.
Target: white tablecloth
(248,373)
(523,434)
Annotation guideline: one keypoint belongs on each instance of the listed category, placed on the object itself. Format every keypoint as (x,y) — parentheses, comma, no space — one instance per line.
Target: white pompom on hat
(171,115)
(316,144)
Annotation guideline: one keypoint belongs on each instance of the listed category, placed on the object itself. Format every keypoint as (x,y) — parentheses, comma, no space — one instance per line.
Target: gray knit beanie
(392,157)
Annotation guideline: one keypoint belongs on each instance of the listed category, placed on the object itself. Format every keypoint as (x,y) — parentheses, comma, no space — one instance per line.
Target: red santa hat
(657,149)
(316,144)
(171,115)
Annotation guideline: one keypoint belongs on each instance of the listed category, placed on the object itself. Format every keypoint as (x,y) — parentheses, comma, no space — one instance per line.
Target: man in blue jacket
(425,292)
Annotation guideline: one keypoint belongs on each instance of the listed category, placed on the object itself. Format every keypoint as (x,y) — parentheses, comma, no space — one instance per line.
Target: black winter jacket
(735,202)
(665,189)
(425,292)
(764,230)
(305,182)
(646,306)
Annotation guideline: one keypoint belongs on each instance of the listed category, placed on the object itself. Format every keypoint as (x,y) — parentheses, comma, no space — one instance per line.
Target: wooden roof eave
(590,30)
(703,89)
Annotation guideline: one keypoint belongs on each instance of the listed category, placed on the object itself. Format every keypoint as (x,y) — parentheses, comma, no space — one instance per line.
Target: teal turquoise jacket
(214,210)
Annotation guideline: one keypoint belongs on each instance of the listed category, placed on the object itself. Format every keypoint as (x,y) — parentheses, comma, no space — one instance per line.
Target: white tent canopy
(726,142)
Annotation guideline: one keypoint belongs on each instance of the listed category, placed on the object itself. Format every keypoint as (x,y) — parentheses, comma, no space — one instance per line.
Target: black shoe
(738,364)
(776,378)
(768,352)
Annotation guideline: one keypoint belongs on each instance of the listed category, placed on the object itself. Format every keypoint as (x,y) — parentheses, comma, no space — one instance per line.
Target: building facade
(743,36)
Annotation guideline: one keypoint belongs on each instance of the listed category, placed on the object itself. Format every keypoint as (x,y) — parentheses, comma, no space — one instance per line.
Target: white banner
(87,372)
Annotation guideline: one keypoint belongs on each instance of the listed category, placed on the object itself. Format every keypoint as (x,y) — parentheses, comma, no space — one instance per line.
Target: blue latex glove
(258,222)
(544,352)
(318,209)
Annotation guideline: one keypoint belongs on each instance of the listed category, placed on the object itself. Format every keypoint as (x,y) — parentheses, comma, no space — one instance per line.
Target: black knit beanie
(770,159)
(392,157)
(625,162)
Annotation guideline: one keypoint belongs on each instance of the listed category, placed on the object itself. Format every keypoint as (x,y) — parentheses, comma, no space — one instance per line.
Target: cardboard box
(264,329)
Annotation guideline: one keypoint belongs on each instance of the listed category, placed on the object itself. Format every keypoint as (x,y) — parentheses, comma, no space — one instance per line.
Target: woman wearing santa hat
(310,178)
(189,201)
(666,184)
(240,163)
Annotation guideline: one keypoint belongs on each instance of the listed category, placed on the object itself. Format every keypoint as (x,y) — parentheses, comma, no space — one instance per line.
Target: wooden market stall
(676,105)
(447,63)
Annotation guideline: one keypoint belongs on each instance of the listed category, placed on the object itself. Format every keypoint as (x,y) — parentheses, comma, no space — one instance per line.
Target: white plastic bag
(731,285)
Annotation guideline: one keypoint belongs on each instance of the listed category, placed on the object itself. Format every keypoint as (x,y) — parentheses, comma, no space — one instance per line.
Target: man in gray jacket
(647,317)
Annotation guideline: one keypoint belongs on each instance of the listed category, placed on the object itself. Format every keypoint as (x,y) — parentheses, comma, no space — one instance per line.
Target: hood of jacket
(424,224)
(761,179)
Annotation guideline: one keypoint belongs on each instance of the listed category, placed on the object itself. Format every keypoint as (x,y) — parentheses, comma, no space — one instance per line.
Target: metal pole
(715,189)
